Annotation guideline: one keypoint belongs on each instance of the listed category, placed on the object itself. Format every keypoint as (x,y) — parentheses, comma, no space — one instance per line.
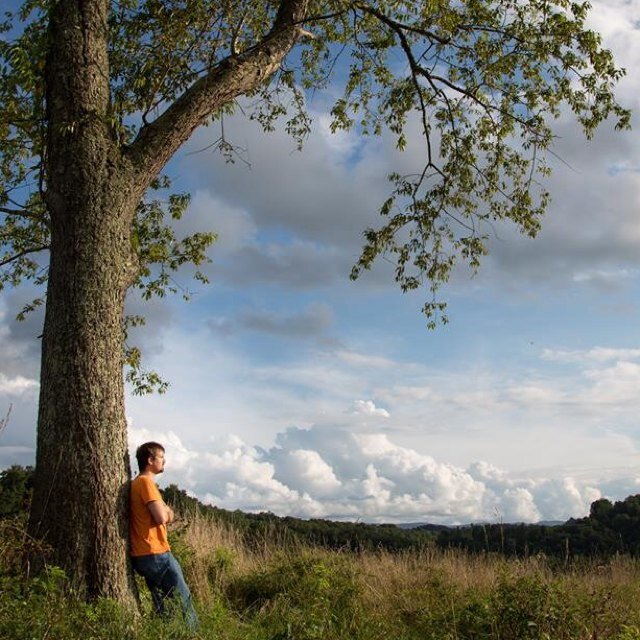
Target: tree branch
(21,254)
(232,77)
(399,26)
(400,30)
(21,213)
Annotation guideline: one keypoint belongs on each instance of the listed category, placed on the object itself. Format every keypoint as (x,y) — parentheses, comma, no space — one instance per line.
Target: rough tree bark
(82,461)
(92,188)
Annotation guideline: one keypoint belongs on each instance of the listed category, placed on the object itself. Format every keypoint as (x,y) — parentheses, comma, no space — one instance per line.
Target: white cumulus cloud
(17,385)
(334,471)
(368,408)
(594,355)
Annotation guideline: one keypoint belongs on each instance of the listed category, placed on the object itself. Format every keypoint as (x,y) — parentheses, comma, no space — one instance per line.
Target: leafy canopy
(482,81)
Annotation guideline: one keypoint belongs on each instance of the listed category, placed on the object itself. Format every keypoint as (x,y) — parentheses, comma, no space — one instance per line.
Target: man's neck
(148,474)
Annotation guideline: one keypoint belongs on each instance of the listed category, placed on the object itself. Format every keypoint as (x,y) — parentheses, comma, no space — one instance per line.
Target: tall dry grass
(423,594)
(273,588)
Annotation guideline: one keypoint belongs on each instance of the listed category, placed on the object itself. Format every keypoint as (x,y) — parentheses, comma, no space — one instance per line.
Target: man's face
(156,463)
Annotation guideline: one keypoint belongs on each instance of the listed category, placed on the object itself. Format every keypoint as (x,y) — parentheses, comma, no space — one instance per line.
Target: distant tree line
(609,528)
(16,484)
(352,536)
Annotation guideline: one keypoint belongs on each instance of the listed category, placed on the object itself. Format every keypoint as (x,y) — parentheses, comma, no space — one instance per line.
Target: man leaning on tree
(151,555)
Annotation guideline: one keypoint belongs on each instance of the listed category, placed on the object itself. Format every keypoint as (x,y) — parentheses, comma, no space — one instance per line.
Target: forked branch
(233,76)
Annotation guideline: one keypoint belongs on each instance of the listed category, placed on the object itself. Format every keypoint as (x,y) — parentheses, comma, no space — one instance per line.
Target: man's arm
(160,512)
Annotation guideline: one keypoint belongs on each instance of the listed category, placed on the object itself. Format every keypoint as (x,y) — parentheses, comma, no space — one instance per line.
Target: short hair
(146,451)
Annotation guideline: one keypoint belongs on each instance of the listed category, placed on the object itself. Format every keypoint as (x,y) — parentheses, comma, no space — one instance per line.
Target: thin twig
(5,421)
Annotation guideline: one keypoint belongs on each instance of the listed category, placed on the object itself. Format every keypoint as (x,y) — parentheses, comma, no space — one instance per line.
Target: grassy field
(278,591)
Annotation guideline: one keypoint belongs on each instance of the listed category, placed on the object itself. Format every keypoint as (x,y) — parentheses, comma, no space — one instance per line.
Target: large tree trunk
(92,188)
(82,465)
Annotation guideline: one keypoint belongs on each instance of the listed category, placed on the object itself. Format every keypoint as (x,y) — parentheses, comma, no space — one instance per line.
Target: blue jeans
(163,576)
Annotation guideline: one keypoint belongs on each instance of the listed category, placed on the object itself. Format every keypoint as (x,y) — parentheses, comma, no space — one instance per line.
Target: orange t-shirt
(146,536)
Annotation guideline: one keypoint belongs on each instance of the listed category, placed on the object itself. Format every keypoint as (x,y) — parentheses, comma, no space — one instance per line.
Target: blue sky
(298,391)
